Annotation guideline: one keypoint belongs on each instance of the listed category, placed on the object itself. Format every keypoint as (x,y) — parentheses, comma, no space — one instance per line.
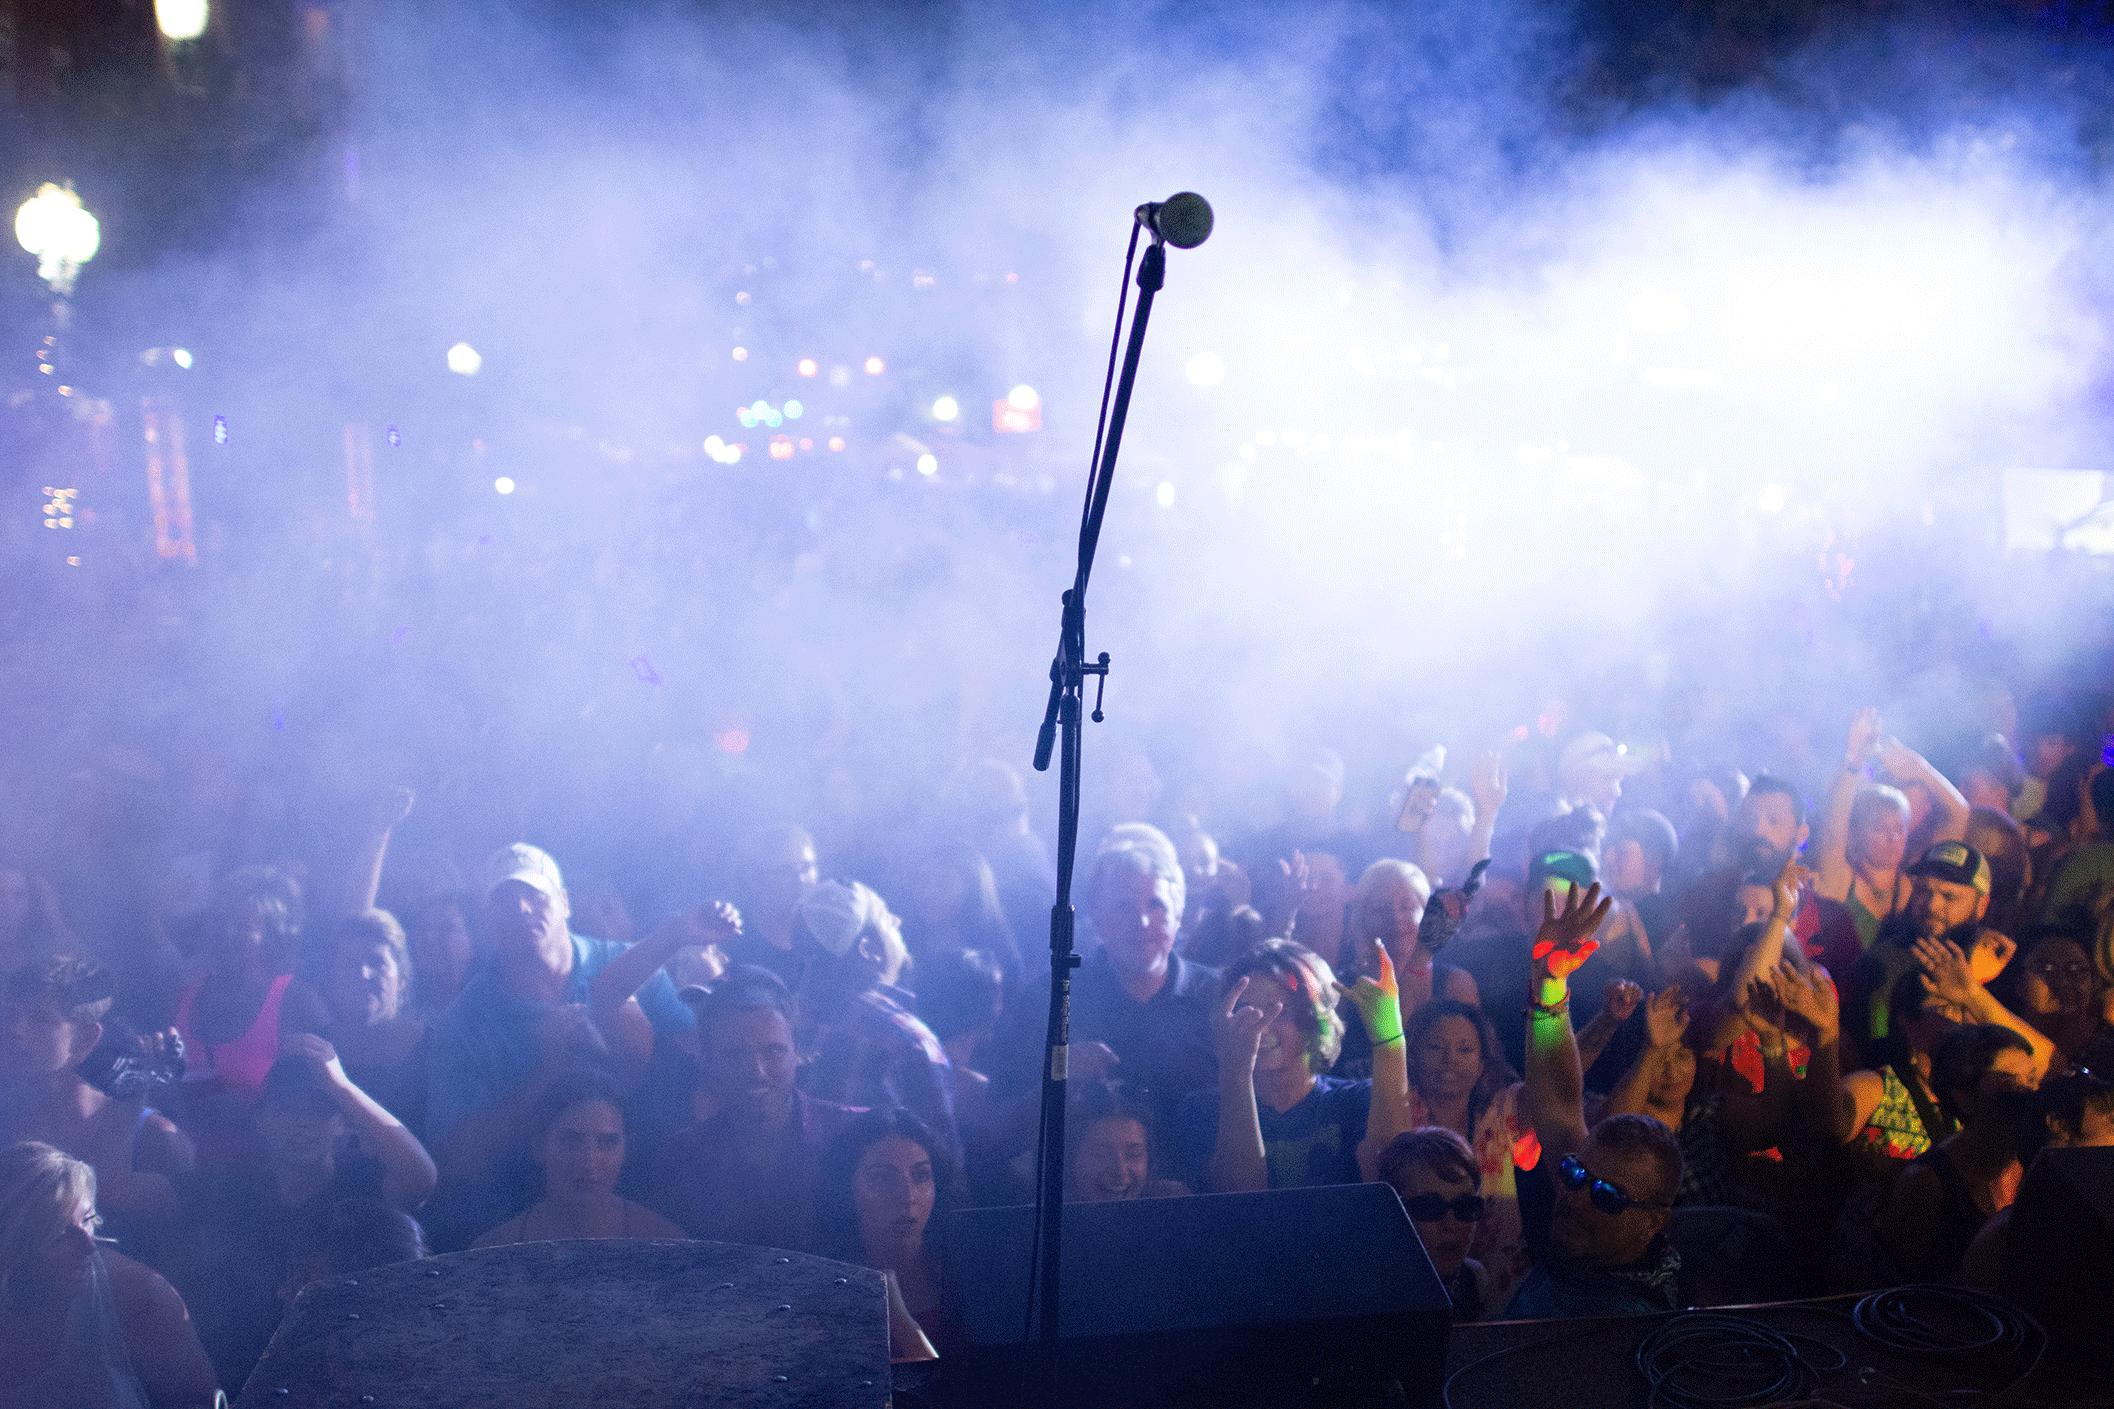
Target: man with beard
(1949,887)
(1767,829)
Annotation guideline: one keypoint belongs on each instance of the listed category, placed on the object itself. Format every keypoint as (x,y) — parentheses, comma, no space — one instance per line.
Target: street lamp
(53,226)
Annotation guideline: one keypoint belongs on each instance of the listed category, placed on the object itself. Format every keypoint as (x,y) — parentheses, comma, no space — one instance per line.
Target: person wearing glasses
(1441,1186)
(1608,1250)
(2056,987)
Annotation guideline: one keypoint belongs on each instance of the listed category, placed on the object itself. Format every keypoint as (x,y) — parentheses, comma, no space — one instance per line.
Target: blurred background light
(794,410)
(946,409)
(464,359)
(807,367)
(182,358)
(1023,398)
(503,484)
(53,226)
(181,19)
(875,366)
(1206,369)
(928,464)
(1164,495)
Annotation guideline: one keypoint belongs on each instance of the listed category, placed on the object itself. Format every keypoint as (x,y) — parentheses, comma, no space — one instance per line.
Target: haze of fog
(1489,390)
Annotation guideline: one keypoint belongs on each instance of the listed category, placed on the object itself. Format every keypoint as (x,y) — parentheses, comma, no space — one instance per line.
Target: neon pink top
(241,1064)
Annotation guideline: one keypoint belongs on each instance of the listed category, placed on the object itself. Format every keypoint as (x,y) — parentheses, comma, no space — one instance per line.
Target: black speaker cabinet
(1295,1297)
(2059,1255)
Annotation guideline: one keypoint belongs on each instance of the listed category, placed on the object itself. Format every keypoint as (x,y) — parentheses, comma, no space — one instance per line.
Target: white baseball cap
(531,865)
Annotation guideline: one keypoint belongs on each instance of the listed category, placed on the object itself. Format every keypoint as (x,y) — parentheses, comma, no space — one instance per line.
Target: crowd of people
(1579,1037)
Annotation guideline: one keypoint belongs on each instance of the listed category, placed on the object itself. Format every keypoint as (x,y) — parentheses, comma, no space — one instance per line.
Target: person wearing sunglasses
(1435,1172)
(1608,1250)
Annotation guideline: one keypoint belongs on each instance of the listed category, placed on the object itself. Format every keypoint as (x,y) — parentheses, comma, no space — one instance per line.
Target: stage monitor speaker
(1295,1297)
(563,1325)
(2059,1254)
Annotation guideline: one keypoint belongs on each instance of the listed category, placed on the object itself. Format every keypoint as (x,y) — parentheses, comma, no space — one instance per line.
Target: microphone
(1182,220)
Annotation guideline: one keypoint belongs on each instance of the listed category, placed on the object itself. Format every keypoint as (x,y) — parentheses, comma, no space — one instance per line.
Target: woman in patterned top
(1459,1080)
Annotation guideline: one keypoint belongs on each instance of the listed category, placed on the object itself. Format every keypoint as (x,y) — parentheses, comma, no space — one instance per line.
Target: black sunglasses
(1430,1208)
(1608,1198)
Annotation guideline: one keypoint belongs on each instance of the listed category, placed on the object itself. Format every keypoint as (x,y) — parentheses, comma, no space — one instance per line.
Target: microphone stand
(1062,719)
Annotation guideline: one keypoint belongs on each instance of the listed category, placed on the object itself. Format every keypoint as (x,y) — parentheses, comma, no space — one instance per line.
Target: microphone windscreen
(1184,220)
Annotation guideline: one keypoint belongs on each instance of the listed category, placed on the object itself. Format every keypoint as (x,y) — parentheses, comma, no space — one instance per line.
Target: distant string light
(946,409)
(928,464)
(741,354)
(464,360)
(503,484)
(182,358)
(875,366)
(807,367)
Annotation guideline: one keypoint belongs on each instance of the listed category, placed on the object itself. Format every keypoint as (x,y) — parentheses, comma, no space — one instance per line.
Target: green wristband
(1384,1026)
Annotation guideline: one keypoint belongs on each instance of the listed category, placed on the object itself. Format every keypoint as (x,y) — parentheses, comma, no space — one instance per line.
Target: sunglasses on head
(1608,1198)
(1430,1208)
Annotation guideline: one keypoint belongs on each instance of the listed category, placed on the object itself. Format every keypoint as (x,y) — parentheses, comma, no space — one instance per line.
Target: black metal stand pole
(1064,718)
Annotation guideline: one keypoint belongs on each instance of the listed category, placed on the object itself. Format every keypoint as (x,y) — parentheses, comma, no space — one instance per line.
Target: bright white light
(1165,494)
(503,485)
(182,358)
(463,358)
(1772,498)
(928,465)
(181,19)
(722,452)
(1657,311)
(52,226)
(875,366)
(794,410)
(1023,398)
(1206,369)
(946,409)
(807,367)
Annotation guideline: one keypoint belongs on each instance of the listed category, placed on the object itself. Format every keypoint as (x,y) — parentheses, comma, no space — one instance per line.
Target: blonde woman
(80,1325)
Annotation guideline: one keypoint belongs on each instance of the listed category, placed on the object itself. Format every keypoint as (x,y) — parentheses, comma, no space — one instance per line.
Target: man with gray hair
(1146,1004)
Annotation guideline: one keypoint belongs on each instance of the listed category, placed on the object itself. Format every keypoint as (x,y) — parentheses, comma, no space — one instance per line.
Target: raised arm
(1488,786)
(1952,979)
(1767,952)
(1665,1031)
(1831,846)
(1379,1006)
(1617,1001)
(408,1175)
(1555,1081)
(1908,766)
(364,880)
(1821,1103)
(610,991)
(1238,1164)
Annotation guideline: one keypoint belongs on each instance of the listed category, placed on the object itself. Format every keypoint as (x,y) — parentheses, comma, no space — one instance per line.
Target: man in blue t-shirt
(530,1012)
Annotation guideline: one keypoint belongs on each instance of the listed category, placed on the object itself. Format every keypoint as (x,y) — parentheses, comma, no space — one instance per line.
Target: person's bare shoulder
(650,1226)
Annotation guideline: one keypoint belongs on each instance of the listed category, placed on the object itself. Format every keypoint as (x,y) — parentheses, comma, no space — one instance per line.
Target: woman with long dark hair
(885,1189)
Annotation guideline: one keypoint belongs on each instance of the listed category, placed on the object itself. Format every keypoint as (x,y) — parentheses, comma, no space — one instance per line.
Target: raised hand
(1565,939)
(1666,1017)
(1240,1028)
(389,807)
(714,922)
(1864,739)
(1811,999)
(1487,785)
(1786,888)
(1376,997)
(321,1057)
(1619,999)
(1946,970)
